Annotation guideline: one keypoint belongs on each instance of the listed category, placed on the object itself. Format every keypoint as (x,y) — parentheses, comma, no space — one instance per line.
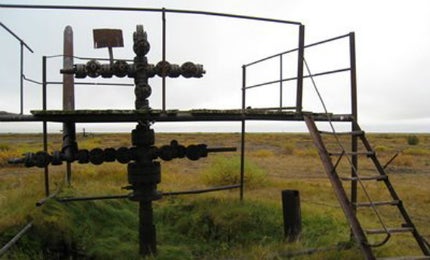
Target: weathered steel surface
(107,38)
(177,115)
(69,128)
(68,80)
(16,238)
(292,214)
(344,202)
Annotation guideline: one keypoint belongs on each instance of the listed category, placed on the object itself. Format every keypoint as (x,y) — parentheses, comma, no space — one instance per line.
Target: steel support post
(281,65)
(354,112)
(300,58)
(242,140)
(21,79)
(45,127)
(163,82)
(242,160)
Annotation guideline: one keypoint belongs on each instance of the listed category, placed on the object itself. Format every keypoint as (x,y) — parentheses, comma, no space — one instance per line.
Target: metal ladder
(349,208)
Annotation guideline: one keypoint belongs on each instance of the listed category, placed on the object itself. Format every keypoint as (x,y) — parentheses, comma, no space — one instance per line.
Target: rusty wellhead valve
(143,169)
(93,68)
(140,70)
(122,155)
(121,68)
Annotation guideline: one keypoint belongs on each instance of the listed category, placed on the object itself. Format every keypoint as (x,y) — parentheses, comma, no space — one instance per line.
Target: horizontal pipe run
(44,200)
(86,58)
(295,78)
(295,49)
(221,149)
(97,84)
(104,84)
(101,59)
(80,83)
(327,40)
(135,9)
(15,238)
(65,200)
(220,188)
(172,193)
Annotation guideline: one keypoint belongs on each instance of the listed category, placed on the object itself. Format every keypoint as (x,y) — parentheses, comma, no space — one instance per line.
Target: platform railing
(21,73)
(164,12)
(299,90)
(45,82)
(300,74)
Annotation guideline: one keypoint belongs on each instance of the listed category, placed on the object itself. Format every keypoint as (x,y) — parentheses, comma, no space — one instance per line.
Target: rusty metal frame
(164,11)
(163,116)
(207,117)
(298,107)
(21,77)
(171,193)
(136,9)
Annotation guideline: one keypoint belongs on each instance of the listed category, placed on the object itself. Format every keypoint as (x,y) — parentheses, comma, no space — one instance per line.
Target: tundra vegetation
(206,226)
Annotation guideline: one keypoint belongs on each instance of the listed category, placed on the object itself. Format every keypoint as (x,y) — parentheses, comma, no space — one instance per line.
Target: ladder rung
(378,203)
(354,133)
(390,230)
(367,178)
(368,153)
(421,257)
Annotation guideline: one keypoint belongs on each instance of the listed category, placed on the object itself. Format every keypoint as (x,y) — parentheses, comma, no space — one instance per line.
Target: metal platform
(154,115)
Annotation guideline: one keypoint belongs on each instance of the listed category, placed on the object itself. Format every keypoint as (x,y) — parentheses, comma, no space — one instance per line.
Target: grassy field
(213,225)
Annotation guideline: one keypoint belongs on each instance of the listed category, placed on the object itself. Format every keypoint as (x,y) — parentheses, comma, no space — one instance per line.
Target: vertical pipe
(164,58)
(69,129)
(68,80)
(147,234)
(300,57)
(280,81)
(21,79)
(242,136)
(45,127)
(110,50)
(354,112)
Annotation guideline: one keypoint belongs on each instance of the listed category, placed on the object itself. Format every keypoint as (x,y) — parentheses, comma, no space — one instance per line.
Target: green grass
(190,228)
(226,171)
(209,226)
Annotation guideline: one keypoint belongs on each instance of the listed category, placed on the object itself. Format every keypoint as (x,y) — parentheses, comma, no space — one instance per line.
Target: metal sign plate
(107,38)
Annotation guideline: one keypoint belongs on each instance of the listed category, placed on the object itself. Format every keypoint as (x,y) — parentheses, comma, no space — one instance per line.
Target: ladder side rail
(423,246)
(339,190)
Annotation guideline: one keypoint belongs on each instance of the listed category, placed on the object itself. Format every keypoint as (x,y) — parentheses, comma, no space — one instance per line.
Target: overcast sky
(393,58)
